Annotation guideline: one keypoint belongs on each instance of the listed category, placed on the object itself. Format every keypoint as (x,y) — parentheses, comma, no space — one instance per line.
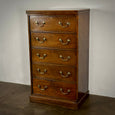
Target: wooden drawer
(67,57)
(55,72)
(53,40)
(54,89)
(53,23)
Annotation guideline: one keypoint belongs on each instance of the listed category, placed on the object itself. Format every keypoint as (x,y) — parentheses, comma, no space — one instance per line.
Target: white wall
(14,51)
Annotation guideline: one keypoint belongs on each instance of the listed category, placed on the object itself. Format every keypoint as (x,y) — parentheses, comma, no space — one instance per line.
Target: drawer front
(53,23)
(67,57)
(54,89)
(49,71)
(54,40)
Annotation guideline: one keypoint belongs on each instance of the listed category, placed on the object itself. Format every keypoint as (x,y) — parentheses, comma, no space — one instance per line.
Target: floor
(14,100)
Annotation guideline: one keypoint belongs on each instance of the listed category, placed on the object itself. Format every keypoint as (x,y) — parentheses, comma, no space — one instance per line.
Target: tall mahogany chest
(59,56)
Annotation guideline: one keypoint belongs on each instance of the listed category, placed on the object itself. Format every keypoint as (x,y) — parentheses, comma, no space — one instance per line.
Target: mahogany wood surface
(54,101)
(53,89)
(53,72)
(59,102)
(52,40)
(53,20)
(56,12)
(53,56)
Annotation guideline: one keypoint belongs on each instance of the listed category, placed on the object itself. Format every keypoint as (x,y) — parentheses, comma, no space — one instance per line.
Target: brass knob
(68,40)
(43,57)
(68,73)
(42,72)
(42,89)
(66,43)
(64,76)
(38,54)
(68,23)
(62,72)
(59,22)
(37,38)
(36,22)
(68,57)
(68,91)
(60,56)
(64,25)
(41,24)
(65,59)
(42,41)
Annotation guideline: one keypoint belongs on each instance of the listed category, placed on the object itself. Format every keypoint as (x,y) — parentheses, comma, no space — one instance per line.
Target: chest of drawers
(59,54)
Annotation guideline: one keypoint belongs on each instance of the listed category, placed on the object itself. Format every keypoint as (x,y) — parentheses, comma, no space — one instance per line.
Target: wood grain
(56,12)
(53,72)
(52,23)
(53,89)
(53,56)
(52,40)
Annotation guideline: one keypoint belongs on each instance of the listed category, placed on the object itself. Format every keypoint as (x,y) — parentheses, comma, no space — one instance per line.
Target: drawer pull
(68,91)
(64,76)
(40,24)
(65,59)
(42,72)
(42,89)
(64,25)
(44,39)
(68,40)
(44,55)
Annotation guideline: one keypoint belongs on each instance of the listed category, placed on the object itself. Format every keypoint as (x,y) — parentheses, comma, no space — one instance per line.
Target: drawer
(55,72)
(67,57)
(53,40)
(54,89)
(53,23)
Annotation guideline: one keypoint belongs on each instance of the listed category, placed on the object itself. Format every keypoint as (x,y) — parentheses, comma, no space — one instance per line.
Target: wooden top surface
(56,12)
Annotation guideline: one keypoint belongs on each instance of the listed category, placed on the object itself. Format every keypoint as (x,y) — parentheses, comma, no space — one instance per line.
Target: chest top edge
(56,12)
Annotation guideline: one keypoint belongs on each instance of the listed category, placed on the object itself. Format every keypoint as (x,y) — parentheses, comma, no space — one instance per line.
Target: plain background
(14,50)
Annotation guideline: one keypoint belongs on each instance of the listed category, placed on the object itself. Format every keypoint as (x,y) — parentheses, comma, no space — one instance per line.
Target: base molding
(58,102)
